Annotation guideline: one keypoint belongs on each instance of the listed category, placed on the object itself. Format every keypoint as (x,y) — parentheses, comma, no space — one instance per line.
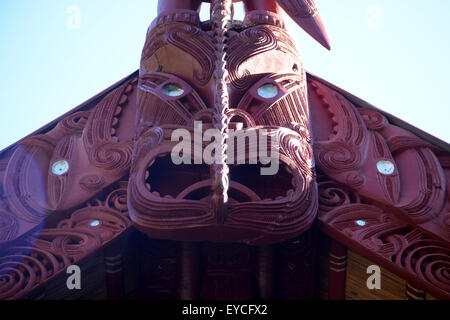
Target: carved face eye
(172,90)
(268,91)
(60,167)
(385,167)
(361,223)
(94,223)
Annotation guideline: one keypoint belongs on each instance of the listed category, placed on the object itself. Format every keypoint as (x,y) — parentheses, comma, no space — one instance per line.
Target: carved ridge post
(114,271)
(189,278)
(412,293)
(337,271)
(266,272)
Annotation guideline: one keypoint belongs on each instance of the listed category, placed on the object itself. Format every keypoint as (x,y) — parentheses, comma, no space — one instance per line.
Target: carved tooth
(115,122)
(157,194)
(147,174)
(289,193)
(113,131)
(168,196)
(147,185)
(123,100)
(279,198)
(118,111)
(128,89)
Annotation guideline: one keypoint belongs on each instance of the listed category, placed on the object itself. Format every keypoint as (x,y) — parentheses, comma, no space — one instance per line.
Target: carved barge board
(72,191)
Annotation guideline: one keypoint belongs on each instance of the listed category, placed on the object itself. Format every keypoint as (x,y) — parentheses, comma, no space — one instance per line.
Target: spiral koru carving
(112,155)
(429,260)
(368,229)
(338,156)
(9,226)
(44,255)
(92,182)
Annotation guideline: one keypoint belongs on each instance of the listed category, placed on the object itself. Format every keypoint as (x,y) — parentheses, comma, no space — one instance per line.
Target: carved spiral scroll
(47,253)
(430,260)
(189,39)
(339,155)
(111,155)
(332,195)
(23,268)
(9,226)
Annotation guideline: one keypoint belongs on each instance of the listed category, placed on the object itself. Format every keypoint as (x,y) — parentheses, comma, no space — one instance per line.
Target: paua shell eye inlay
(172,90)
(94,223)
(60,167)
(385,167)
(361,223)
(268,91)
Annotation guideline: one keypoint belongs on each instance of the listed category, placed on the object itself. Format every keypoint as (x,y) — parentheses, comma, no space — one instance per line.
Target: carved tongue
(306,15)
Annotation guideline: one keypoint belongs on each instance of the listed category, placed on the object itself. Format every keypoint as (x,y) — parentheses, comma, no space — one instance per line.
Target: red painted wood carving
(85,179)
(224,202)
(47,253)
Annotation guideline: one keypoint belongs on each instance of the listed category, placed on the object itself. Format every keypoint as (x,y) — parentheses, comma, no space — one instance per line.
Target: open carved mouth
(166,180)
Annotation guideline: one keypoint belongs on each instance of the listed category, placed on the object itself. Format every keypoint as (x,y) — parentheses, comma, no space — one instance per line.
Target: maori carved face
(217,75)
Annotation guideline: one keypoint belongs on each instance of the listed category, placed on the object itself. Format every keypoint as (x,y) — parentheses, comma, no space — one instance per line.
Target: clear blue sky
(394,54)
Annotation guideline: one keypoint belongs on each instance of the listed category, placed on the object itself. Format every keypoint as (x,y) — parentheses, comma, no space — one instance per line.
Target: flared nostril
(266,187)
(167,180)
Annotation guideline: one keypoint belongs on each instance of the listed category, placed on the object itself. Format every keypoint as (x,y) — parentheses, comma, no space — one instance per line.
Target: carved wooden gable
(83,181)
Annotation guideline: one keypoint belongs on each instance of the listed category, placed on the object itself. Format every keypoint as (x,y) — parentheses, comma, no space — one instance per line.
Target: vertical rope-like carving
(221,19)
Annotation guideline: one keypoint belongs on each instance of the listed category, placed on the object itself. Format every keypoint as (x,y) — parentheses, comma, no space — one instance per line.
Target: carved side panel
(60,169)
(383,163)
(385,239)
(30,264)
